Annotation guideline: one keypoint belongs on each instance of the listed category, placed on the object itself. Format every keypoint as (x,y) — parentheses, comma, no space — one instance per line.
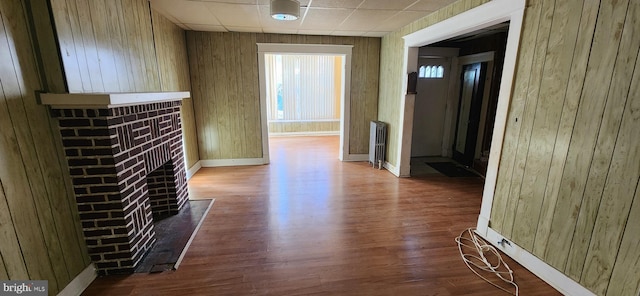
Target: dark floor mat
(451,169)
(172,235)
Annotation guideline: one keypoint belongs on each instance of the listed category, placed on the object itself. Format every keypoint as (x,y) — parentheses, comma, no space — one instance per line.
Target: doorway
(303,94)
(460,116)
(343,51)
(481,17)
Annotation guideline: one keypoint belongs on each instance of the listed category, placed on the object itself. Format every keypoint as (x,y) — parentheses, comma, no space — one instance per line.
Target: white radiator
(377,143)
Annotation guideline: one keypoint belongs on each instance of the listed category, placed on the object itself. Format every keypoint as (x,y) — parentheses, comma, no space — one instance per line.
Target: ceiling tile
(315,32)
(430,5)
(386,4)
(186,12)
(334,17)
(244,29)
(375,34)
(336,3)
(324,19)
(235,15)
(280,31)
(198,27)
(348,33)
(251,2)
(399,20)
(361,20)
(161,9)
(303,3)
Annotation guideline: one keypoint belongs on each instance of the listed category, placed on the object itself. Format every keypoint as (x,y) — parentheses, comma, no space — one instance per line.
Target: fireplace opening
(162,191)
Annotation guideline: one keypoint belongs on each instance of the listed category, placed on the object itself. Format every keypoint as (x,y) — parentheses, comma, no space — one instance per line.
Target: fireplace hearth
(126,162)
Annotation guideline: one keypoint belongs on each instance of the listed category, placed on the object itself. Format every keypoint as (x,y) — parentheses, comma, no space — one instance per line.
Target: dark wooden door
(469,109)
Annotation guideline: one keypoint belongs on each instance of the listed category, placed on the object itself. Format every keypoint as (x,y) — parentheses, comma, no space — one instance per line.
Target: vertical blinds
(303,87)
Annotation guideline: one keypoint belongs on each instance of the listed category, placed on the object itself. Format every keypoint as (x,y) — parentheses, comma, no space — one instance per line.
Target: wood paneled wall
(39,225)
(301,127)
(106,46)
(40,231)
(568,177)
(173,64)
(391,65)
(123,46)
(570,165)
(224,75)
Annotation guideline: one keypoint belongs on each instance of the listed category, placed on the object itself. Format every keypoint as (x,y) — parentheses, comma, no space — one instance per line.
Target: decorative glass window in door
(431,71)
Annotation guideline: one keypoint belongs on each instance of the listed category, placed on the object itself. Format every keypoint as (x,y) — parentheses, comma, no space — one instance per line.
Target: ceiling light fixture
(285,10)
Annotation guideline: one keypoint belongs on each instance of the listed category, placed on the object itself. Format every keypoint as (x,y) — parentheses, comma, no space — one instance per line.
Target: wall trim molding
(193,169)
(80,282)
(546,272)
(209,163)
(356,157)
(345,102)
(392,169)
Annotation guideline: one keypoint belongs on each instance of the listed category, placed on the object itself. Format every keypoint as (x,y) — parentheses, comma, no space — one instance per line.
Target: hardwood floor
(308,224)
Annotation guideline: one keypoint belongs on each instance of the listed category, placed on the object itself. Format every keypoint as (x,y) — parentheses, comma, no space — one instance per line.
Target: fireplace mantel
(126,162)
(109,100)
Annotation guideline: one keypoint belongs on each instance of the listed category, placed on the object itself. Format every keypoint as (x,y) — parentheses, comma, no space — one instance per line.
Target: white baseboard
(80,282)
(193,170)
(546,272)
(391,168)
(207,163)
(356,157)
(304,134)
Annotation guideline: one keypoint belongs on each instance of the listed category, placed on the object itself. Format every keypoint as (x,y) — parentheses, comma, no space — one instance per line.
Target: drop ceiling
(373,18)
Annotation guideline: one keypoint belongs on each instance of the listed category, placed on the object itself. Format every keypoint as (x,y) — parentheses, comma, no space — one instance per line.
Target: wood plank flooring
(308,224)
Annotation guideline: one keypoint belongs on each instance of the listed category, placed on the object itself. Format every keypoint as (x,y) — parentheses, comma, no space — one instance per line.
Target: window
(431,71)
(303,87)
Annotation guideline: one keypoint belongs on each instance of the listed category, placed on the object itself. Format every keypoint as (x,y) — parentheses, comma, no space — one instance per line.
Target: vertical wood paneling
(252,123)
(568,175)
(525,204)
(45,46)
(544,246)
(625,65)
(173,65)
(553,85)
(39,225)
(13,262)
(571,143)
(504,207)
(619,190)
(224,69)
(304,127)
(581,146)
(115,46)
(625,279)
(107,47)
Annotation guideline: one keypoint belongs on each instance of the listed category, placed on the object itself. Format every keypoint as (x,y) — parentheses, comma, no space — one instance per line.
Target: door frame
(453,100)
(486,15)
(345,101)
(470,135)
(450,54)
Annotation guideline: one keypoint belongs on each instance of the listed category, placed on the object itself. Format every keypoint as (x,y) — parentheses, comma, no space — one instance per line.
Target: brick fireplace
(126,162)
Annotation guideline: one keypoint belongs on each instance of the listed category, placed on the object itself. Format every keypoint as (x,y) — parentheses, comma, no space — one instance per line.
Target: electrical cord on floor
(477,248)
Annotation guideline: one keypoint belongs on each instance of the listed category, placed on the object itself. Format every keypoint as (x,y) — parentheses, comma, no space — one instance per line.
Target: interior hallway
(308,224)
